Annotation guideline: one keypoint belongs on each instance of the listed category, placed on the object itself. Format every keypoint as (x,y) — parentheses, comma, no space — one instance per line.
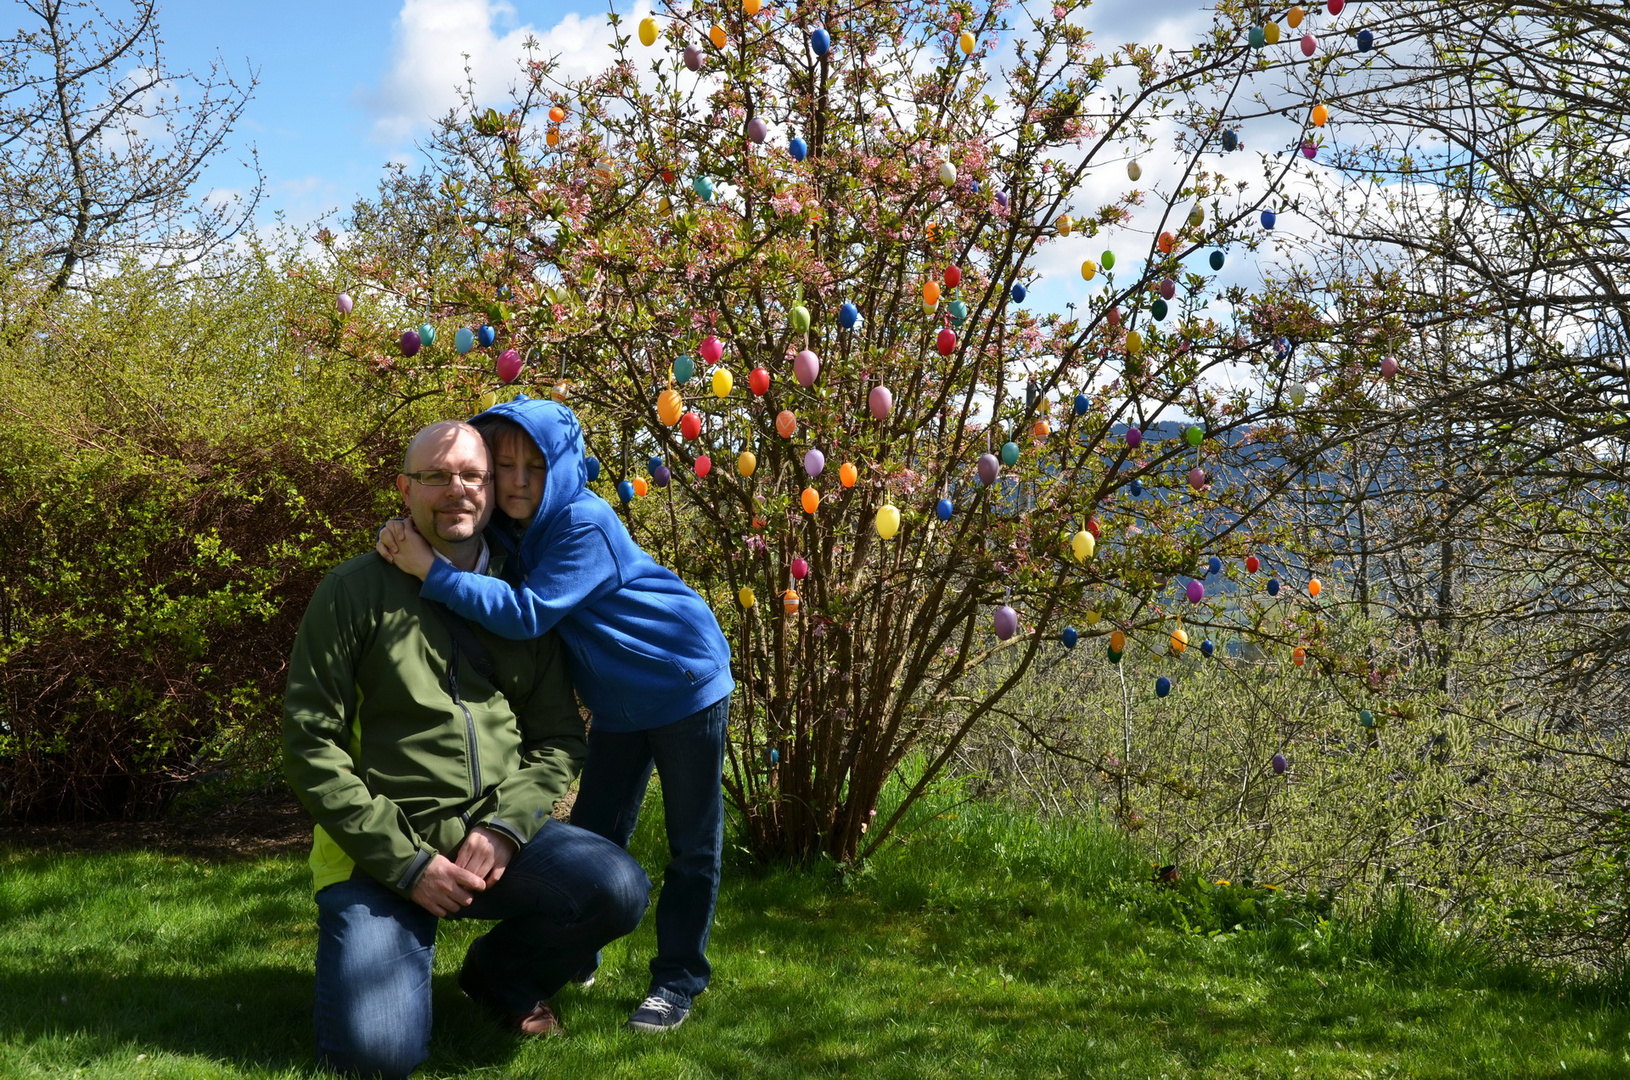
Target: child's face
(520,470)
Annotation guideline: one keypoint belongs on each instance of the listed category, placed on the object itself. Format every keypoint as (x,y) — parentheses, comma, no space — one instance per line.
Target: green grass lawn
(988,946)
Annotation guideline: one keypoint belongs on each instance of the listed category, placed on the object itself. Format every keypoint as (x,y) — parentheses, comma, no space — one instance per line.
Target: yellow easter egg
(648,31)
(1271,33)
(967,42)
(1093,617)
(1180,640)
(1089,270)
(745,595)
(887,521)
(1083,545)
(723,382)
(746,464)
(1134,343)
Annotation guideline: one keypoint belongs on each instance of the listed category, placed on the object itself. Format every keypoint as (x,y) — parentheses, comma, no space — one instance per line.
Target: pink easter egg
(343,302)
(1309,44)
(880,401)
(1389,368)
(800,568)
(509,365)
(704,465)
(712,349)
(806,367)
(1168,289)
(988,468)
(1197,478)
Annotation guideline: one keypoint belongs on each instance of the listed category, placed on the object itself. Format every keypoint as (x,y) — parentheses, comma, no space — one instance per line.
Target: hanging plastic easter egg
(653,463)
(1017,292)
(1257,37)
(745,597)
(1108,260)
(758,381)
(509,366)
(1273,586)
(806,367)
(958,312)
(410,342)
(1297,392)
(953,276)
(1117,641)
(1269,218)
(693,58)
(887,521)
(746,463)
(810,500)
(1321,115)
(1010,454)
(662,475)
(814,461)
(1366,718)
(703,188)
(1135,487)
(670,407)
(757,129)
(1230,139)
(463,340)
(690,426)
(1295,15)
(427,335)
(1270,33)
(625,490)
(1001,200)
(723,382)
(988,468)
(1165,242)
(880,401)
(1366,41)
(786,424)
(1089,270)
(1389,367)
(799,568)
(1168,288)
(789,602)
(1193,435)
(1093,617)
(1114,656)
(712,349)
(703,466)
(820,41)
(486,336)
(947,173)
(798,148)
(552,138)
(1197,478)
(1310,44)
(1334,6)
(1082,545)
(1163,686)
(1065,225)
(943,509)
(1214,566)
(1298,656)
(683,368)
(799,318)
(1134,437)
(1196,592)
(648,31)
(1040,430)
(1069,636)
(966,43)
(1310,149)
(848,315)
(1314,587)
(1207,648)
(1197,217)
(343,302)
(556,114)
(1158,309)
(1005,622)
(848,474)
(1134,343)
(1252,564)
(1280,764)
(592,466)
(945,341)
(1081,404)
(931,293)
(1217,260)
(717,36)
(488,400)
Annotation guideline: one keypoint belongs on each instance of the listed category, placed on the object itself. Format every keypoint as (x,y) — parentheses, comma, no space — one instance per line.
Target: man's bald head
(432,440)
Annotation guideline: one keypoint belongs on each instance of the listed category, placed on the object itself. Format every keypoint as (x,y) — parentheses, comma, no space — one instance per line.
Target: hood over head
(559,436)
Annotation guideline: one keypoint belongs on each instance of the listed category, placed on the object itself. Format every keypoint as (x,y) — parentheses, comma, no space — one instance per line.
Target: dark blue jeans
(689,755)
(563,896)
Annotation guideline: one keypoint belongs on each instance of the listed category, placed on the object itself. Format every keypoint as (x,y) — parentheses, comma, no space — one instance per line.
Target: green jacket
(405,726)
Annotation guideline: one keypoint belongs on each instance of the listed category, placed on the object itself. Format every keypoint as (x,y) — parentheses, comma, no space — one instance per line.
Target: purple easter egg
(1134,437)
(757,129)
(806,367)
(1006,621)
(1196,591)
(693,57)
(988,468)
(1280,764)
(662,474)
(1197,478)
(1168,289)
(880,401)
(1309,150)
(1001,199)
(343,302)
(814,462)
(410,342)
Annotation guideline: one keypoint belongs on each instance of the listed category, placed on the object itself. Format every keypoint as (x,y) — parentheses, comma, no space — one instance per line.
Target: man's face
(457,512)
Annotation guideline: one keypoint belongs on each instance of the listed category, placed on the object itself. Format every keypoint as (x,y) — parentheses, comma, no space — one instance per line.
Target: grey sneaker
(657,1014)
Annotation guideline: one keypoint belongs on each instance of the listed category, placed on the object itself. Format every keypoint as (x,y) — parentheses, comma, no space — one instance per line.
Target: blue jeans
(689,754)
(563,896)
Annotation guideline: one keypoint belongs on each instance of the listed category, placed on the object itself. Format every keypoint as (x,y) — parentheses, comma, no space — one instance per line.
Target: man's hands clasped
(450,884)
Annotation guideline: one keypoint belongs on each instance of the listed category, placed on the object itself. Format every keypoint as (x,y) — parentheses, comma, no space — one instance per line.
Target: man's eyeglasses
(441,478)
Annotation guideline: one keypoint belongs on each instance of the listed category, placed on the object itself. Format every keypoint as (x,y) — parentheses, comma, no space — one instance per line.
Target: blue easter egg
(1258,37)
(799,149)
(593,466)
(1082,404)
(820,41)
(625,490)
(684,368)
(1268,218)
(944,509)
(1207,647)
(848,315)
(1017,292)
(1273,586)
(1214,566)
(1069,637)
(1366,41)
(1217,259)
(1163,686)
(486,335)
(1230,139)
(975,184)
(1135,487)
(653,465)
(463,340)
(703,188)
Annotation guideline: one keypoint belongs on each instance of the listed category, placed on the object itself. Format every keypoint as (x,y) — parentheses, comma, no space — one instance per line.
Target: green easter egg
(800,318)
(1194,436)
(1107,260)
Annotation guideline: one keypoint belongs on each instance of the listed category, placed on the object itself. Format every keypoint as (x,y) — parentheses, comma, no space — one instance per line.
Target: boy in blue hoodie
(645,653)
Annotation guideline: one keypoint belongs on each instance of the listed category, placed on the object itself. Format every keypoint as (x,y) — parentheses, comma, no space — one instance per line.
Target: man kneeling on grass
(431,753)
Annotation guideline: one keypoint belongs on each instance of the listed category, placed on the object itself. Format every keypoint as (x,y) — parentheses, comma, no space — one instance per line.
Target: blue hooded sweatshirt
(643,649)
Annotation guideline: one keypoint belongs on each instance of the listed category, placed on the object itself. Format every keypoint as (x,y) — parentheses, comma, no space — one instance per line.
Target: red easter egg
(946,342)
(953,276)
(690,426)
(704,465)
(1252,564)
(759,382)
